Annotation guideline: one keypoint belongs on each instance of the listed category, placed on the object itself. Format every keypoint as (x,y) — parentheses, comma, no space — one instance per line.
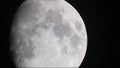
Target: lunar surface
(48,33)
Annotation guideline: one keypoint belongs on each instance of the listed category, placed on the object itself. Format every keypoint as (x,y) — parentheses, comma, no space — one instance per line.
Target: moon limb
(77,33)
(64,12)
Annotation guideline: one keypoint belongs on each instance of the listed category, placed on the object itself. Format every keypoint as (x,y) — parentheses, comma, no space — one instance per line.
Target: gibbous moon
(53,31)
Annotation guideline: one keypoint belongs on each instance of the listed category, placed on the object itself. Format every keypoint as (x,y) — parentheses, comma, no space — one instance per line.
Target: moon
(56,30)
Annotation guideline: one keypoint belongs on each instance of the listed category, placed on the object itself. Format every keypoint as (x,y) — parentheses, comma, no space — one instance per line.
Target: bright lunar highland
(48,33)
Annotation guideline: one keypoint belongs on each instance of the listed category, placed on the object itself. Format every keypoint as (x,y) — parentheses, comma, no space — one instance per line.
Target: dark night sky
(101,30)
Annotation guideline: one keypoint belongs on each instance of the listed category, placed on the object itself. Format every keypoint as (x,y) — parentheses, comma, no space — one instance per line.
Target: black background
(100,22)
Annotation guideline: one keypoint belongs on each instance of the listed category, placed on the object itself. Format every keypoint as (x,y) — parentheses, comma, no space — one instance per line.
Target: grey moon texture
(56,30)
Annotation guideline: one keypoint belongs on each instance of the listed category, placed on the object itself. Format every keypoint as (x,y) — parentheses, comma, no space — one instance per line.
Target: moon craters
(61,30)
(54,18)
(51,17)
